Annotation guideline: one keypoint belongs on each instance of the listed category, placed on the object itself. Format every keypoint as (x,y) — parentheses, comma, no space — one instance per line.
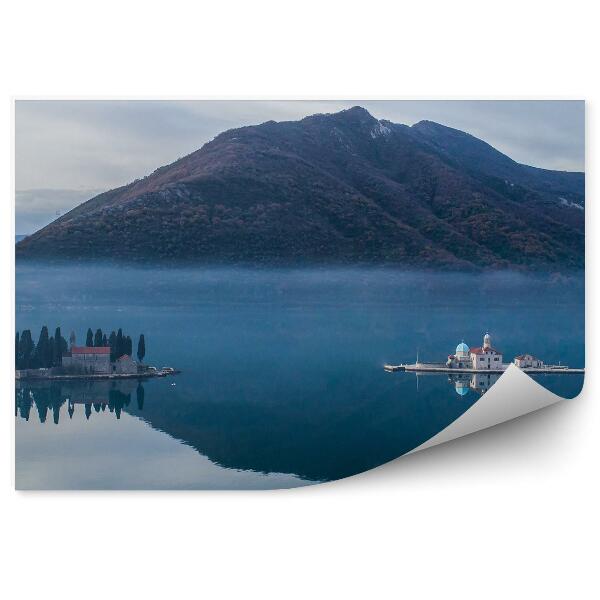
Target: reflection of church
(484,358)
(479,382)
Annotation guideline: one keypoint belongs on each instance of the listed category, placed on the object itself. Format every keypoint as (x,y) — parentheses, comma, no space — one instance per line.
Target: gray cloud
(66,151)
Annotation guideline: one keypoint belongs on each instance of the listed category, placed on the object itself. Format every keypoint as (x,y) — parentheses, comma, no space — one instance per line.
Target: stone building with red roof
(525,361)
(480,358)
(87,359)
(486,357)
(95,360)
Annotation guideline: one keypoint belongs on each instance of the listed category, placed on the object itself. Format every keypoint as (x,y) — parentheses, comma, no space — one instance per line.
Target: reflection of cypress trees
(116,401)
(56,413)
(46,398)
(42,408)
(55,394)
(42,403)
(140,396)
(23,402)
(26,406)
(56,401)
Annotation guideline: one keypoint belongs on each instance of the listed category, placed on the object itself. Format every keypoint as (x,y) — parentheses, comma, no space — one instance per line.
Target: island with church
(102,356)
(483,359)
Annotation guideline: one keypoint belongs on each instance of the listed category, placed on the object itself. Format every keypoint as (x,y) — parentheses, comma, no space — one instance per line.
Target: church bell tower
(487,341)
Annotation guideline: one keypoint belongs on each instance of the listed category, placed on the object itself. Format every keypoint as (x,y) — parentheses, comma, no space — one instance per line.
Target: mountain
(341,188)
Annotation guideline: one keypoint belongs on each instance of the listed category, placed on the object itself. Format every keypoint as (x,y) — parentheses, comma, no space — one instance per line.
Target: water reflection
(89,396)
(478,382)
(310,436)
(314,437)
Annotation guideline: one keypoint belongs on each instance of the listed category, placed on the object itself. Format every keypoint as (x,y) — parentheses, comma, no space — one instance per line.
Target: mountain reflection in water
(322,442)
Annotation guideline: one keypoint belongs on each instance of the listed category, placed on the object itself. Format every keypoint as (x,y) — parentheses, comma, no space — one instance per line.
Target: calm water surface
(282,381)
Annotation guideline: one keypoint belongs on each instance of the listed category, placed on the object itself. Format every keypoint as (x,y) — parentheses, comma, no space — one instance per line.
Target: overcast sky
(69,151)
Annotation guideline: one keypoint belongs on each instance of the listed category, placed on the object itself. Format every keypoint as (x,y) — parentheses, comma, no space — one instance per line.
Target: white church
(484,358)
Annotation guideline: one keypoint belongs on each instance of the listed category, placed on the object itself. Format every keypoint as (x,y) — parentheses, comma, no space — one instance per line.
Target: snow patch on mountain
(569,204)
(379,129)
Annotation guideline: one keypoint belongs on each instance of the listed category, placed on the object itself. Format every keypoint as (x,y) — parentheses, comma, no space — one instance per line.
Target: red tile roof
(480,350)
(90,350)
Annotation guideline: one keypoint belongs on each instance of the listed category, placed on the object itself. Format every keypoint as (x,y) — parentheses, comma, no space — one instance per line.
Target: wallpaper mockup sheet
(267,295)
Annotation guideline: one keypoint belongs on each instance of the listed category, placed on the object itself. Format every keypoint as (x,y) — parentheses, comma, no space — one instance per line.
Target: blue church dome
(462,349)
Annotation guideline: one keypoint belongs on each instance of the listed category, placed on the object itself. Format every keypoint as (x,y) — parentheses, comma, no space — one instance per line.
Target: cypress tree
(104,341)
(112,342)
(51,352)
(89,340)
(98,338)
(64,348)
(58,348)
(128,346)
(119,350)
(42,403)
(42,356)
(17,361)
(26,350)
(141,351)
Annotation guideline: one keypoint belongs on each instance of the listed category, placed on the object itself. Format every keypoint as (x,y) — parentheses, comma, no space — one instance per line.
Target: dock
(442,368)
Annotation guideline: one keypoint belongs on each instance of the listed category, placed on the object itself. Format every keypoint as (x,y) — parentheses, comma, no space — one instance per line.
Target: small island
(486,359)
(102,356)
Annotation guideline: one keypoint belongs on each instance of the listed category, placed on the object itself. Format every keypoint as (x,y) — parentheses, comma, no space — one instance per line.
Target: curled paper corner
(513,395)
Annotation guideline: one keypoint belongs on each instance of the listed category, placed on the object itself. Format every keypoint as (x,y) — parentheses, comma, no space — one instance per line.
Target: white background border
(511,512)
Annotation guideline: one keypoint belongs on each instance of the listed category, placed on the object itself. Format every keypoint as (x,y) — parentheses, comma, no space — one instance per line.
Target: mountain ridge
(340,187)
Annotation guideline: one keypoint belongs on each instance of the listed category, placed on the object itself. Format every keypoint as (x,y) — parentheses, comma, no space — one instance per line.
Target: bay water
(282,380)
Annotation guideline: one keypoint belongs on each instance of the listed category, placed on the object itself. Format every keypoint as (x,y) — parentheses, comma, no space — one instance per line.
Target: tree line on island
(49,350)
